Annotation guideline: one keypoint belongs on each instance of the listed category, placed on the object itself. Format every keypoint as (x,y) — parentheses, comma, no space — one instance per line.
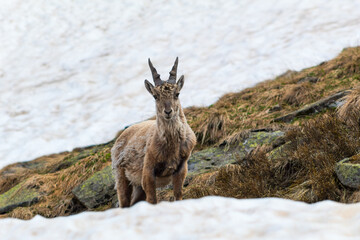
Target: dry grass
(57,198)
(304,172)
(298,94)
(252,178)
(236,138)
(349,112)
(314,149)
(17,172)
(212,127)
(354,198)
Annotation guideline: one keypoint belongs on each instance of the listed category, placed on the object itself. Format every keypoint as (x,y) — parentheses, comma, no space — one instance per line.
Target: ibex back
(152,153)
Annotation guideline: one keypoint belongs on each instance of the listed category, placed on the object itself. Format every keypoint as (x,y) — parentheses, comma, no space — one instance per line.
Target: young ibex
(150,154)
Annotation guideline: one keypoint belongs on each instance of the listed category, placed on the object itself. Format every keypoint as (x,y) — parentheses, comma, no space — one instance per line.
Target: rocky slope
(285,137)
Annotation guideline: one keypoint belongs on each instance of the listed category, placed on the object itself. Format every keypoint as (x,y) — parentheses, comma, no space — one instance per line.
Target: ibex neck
(172,129)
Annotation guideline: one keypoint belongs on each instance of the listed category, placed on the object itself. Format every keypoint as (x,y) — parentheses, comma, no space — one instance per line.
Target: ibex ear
(149,87)
(180,82)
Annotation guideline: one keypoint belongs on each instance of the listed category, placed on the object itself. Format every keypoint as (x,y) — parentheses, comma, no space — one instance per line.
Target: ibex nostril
(168,112)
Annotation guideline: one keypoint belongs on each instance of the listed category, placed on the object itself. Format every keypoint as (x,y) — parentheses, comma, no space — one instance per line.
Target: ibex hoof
(152,201)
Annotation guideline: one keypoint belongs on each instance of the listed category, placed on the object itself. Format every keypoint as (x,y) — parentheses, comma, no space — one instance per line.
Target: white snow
(206,218)
(72,72)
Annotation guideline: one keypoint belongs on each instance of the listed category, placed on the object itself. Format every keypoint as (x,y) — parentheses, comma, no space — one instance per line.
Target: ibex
(150,154)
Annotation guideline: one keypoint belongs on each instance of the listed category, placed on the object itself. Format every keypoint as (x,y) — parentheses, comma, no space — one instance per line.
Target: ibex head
(166,93)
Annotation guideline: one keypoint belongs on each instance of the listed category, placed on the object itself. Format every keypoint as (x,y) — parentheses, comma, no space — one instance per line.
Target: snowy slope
(72,72)
(206,218)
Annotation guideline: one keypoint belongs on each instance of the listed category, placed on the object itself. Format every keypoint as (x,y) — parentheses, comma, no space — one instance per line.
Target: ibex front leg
(178,180)
(123,188)
(148,182)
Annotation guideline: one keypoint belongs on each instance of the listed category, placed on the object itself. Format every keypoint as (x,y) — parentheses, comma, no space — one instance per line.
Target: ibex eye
(176,95)
(155,97)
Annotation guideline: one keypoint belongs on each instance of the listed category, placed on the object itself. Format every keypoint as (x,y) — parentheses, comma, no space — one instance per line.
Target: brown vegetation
(17,172)
(349,112)
(297,94)
(303,171)
(249,179)
(57,198)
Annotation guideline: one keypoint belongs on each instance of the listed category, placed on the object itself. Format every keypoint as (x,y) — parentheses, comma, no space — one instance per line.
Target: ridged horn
(156,76)
(172,77)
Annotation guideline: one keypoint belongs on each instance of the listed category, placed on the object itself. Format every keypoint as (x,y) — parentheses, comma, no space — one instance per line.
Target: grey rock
(278,152)
(309,79)
(18,196)
(96,190)
(348,173)
(210,158)
(275,108)
(328,102)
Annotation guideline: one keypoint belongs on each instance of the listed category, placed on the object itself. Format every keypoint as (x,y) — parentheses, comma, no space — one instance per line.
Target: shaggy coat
(150,154)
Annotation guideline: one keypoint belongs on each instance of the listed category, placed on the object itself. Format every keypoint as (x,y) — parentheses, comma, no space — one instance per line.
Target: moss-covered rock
(257,139)
(208,159)
(215,157)
(348,173)
(13,174)
(78,154)
(18,196)
(278,152)
(96,190)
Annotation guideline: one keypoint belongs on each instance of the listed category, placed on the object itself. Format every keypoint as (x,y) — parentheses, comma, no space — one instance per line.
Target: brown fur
(152,153)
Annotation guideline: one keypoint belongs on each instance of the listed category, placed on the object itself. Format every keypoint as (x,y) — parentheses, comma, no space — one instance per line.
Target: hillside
(281,138)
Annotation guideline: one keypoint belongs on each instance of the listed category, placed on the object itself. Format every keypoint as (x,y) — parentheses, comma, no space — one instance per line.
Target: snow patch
(206,218)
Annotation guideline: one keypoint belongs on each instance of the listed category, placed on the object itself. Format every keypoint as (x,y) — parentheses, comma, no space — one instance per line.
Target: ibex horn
(172,77)
(156,76)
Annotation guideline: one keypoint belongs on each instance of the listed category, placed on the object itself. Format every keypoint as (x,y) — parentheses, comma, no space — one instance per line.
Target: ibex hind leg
(123,188)
(138,195)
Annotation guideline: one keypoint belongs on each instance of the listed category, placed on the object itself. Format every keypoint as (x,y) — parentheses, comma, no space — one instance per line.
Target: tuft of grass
(349,112)
(298,94)
(212,127)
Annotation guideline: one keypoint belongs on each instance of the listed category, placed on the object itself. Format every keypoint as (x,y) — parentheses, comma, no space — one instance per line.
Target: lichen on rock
(215,157)
(96,190)
(257,139)
(18,196)
(348,173)
(208,159)
(278,152)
